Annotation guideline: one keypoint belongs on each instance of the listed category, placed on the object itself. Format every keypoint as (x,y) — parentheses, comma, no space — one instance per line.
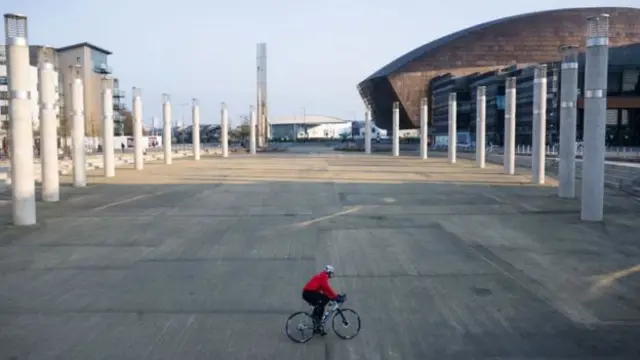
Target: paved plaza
(205,260)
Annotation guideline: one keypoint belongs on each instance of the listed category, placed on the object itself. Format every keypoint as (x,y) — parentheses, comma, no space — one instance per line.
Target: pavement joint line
(82,245)
(167,260)
(584,318)
(434,275)
(124,201)
(61,312)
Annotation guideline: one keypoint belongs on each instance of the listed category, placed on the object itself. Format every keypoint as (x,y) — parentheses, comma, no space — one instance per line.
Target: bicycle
(307,323)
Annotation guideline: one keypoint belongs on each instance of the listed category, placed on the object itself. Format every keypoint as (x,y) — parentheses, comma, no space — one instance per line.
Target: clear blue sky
(318,51)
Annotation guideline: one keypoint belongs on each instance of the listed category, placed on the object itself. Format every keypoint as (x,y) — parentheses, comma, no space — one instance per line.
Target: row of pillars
(22,157)
(595,107)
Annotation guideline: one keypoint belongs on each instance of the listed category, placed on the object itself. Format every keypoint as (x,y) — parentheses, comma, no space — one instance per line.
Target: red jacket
(320,283)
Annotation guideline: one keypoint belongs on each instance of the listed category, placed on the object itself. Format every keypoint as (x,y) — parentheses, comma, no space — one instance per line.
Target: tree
(128,122)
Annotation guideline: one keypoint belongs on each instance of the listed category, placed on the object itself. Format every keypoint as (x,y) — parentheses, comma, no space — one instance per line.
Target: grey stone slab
(115,231)
(268,238)
(234,285)
(47,257)
(150,336)
(401,252)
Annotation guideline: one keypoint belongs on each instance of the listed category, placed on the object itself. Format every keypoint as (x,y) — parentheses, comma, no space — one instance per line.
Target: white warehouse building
(319,127)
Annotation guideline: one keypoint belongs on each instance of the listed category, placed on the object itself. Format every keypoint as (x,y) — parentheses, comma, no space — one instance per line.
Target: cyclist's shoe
(320,330)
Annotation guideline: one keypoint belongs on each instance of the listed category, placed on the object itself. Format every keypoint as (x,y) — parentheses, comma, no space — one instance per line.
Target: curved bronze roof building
(521,39)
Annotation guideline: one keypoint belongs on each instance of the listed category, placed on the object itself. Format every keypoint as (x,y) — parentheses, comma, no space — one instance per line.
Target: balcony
(117,93)
(102,69)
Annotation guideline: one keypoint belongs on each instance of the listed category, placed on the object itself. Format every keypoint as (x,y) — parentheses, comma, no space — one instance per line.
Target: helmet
(329,270)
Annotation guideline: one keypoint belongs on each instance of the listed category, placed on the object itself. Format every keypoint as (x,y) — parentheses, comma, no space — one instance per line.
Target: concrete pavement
(205,260)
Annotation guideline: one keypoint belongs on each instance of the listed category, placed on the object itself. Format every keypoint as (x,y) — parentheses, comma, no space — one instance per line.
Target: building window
(98,58)
(4,110)
(4,80)
(4,95)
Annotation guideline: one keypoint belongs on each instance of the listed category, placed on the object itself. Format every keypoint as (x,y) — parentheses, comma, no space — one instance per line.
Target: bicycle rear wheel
(346,323)
(299,327)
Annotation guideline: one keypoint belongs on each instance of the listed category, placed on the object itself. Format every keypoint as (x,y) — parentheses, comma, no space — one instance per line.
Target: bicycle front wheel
(346,323)
(299,327)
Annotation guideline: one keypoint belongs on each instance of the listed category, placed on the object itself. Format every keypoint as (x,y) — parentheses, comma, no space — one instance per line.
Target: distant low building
(319,127)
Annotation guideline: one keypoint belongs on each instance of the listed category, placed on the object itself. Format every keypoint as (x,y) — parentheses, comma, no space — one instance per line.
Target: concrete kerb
(617,176)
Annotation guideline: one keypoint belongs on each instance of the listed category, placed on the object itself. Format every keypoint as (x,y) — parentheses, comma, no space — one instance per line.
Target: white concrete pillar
(108,148)
(259,119)
(138,155)
(481,125)
(252,132)
(367,132)
(23,193)
(510,126)
(166,128)
(224,130)
(195,117)
(395,147)
(595,114)
(424,128)
(48,128)
(453,130)
(538,157)
(568,114)
(79,157)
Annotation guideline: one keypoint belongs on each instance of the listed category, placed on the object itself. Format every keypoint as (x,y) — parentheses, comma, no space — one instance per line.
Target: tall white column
(79,159)
(260,130)
(568,113)
(424,128)
(481,125)
(166,128)
(538,157)
(23,194)
(367,132)
(195,116)
(252,132)
(48,129)
(395,146)
(107,132)
(453,130)
(224,130)
(138,154)
(595,113)
(510,127)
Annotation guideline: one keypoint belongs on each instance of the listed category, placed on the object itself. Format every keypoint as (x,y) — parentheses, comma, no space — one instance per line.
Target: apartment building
(90,64)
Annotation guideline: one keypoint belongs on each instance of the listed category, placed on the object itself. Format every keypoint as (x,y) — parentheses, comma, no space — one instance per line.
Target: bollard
(23,187)
(595,114)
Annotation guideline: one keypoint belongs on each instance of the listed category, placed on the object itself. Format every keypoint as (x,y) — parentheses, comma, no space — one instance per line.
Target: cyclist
(317,292)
